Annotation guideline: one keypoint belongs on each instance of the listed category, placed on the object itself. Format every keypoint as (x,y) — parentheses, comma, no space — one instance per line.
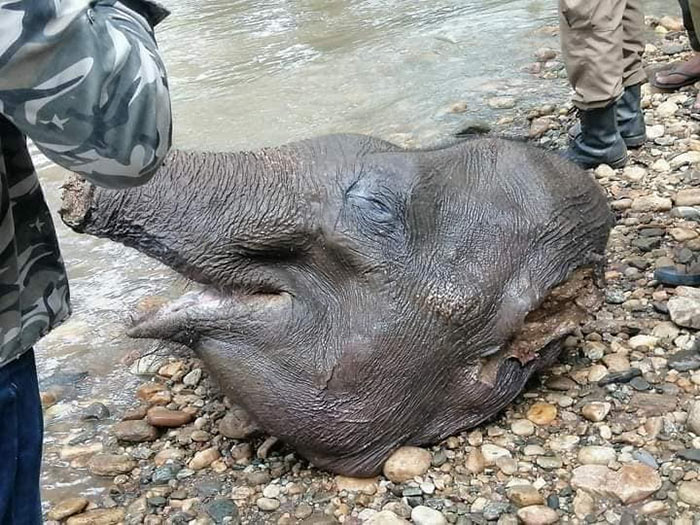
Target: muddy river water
(252,73)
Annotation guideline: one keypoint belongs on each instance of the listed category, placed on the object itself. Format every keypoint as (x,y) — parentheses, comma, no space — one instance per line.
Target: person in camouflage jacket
(84,80)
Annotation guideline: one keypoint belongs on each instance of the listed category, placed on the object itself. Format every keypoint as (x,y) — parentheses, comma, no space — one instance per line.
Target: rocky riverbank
(611,434)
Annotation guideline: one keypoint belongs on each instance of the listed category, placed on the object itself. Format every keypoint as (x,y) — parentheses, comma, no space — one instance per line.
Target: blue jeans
(21,429)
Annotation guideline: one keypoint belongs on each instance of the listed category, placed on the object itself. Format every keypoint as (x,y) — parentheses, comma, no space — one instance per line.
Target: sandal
(687,79)
(670,276)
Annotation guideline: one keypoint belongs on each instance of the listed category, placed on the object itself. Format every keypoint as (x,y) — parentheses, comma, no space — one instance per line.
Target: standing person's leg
(687,72)
(630,117)
(592,43)
(20,443)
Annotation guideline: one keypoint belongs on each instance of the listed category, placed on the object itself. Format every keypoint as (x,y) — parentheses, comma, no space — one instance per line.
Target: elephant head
(356,296)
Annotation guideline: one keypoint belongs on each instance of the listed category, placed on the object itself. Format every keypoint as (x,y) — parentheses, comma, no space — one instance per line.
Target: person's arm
(84,80)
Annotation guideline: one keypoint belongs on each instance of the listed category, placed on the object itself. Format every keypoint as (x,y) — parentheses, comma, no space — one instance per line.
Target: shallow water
(246,74)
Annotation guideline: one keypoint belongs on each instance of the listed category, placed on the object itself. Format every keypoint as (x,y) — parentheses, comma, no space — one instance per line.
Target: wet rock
(135,431)
(539,126)
(502,102)
(364,485)
(66,508)
(693,421)
(422,515)
(98,517)
(147,365)
(689,492)
(406,463)
(650,203)
(95,411)
(204,458)
(596,410)
(545,54)
(147,390)
(542,413)
(172,370)
(75,451)
(692,454)
(595,455)
(168,454)
(237,424)
(134,414)
(538,515)
(162,417)
(524,495)
(620,377)
(110,464)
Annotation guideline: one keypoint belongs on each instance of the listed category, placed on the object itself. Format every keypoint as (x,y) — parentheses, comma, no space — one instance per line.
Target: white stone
(596,410)
(643,340)
(595,455)
(655,132)
(693,421)
(684,159)
(666,109)
(492,453)
(386,517)
(522,427)
(426,516)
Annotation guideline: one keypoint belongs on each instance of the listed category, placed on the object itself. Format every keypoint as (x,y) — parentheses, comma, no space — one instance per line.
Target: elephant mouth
(186,318)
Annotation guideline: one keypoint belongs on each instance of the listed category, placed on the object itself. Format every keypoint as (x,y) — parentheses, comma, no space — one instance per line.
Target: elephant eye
(372,208)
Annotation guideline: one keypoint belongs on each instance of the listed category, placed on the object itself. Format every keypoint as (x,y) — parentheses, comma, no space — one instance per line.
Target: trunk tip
(75,202)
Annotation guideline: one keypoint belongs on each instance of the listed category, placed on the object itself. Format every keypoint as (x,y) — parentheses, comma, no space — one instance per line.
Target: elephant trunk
(204,211)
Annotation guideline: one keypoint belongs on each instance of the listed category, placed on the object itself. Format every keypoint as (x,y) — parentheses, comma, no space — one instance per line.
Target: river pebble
(538,515)
(135,431)
(110,464)
(162,417)
(426,516)
(407,463)
(689,492)
(66,508)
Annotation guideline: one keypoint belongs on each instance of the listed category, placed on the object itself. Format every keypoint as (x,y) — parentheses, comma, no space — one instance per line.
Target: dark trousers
(21,429)
(688,23)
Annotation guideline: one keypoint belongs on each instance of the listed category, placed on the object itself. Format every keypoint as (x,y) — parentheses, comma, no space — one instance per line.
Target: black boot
(630,118)
(599,140)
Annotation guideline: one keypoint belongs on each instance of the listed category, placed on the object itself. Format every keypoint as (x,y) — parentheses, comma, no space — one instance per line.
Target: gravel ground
(611,434)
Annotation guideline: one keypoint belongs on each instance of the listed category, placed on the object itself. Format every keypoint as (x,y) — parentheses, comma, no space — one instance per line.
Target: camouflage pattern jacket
(84,80)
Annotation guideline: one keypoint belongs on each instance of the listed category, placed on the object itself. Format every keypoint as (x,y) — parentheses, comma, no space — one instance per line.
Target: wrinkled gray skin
(354,288)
